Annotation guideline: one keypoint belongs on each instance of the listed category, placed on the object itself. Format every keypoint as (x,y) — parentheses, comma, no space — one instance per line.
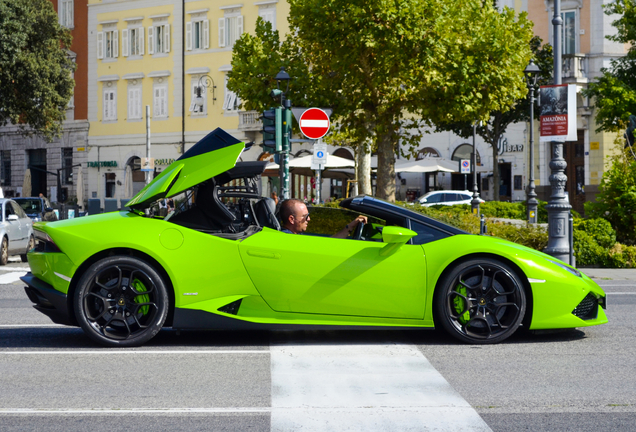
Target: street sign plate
(320,154)
(314,123)
(464,166)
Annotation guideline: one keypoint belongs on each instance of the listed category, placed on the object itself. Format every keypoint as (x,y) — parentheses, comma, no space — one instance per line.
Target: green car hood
(214,154)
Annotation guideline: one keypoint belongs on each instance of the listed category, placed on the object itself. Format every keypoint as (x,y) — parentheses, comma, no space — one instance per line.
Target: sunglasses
(302,218)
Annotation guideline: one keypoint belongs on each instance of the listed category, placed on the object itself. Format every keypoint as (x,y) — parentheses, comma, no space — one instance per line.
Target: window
(134,103)
(5,158)
(159,39)
(194,108)
(268,14)
(580,179)
(108,44)
(110,105)
(568,36)
(425,233)
(197,35)
(160,102)
(517,182)
(67,165)
(65,12)
(485,184)
(230,29)
(231,102)
(132,42)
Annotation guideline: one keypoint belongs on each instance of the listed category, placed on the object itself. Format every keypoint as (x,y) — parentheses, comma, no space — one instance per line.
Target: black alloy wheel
(4,251)
(30,246)
(121,301)
(481,301)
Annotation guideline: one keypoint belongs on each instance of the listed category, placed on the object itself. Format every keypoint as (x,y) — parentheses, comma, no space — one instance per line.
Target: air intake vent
(588,308)
(231,308)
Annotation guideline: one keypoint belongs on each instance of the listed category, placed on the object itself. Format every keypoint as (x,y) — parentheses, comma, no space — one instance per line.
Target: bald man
(295,217)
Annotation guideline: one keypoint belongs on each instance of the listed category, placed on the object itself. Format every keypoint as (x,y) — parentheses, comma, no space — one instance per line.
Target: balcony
(575,67)
(249,121)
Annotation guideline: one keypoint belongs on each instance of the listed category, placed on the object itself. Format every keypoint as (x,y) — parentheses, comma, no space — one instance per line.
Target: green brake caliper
(143,298)
(460,304)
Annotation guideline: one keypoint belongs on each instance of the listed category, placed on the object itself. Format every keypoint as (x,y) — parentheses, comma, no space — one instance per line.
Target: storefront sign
(97,164)
(147,164)
(164,161)
(558,113)
(504,147)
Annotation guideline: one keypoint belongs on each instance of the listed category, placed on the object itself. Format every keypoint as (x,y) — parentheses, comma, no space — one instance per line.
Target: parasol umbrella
(26,185)
(80,187)
(428,165)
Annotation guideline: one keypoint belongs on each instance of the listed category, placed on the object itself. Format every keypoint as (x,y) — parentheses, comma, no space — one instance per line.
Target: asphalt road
(54,378)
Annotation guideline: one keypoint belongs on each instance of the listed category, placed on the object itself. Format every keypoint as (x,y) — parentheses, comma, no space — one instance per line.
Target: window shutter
(231,101)
(239,26)
(141,34)
(124,43)
(221,32)
(206,34)
(131,103)
(166,36)
(100,45)
(189,36)
(70,10)
(105,112)
(151,40)
(226,101)
(115,43)
(155,112)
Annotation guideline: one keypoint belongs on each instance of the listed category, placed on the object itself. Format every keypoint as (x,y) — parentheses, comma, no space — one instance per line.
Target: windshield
(30,205)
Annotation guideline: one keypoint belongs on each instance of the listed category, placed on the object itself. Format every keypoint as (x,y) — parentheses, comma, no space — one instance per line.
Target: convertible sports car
(219,261)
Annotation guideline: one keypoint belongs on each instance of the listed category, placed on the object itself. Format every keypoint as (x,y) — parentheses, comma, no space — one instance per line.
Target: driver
(295,217)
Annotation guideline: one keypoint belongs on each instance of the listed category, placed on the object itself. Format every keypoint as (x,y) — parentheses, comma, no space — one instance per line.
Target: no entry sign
(314,123)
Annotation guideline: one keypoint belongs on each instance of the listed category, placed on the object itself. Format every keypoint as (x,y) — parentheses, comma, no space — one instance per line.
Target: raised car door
(322,275)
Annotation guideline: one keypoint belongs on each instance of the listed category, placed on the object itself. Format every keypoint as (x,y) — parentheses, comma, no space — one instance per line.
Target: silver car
(447,197)
(16,231)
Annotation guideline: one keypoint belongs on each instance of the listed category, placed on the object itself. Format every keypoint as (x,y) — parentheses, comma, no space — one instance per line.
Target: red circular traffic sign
(314,123)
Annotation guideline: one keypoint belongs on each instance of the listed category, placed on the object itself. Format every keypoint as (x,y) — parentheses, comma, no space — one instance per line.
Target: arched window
(463,152)
(343,153)
(427,152)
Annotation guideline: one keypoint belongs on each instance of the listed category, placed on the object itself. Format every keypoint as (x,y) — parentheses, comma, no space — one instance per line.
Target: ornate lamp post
(532,73)
(558,206)
(474,204)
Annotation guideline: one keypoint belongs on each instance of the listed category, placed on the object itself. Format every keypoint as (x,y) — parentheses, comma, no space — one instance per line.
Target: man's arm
(344,233)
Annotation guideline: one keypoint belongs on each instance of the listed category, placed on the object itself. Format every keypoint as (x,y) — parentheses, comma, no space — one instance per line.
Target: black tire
(4,251)
(121,301)
(30,246)
(481,301)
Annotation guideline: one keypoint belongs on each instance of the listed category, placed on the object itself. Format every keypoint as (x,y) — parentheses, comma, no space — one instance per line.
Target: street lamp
(532,72)
(474,204)
(205,82)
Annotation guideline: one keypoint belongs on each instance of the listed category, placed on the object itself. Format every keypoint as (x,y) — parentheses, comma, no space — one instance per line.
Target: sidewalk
(610,274)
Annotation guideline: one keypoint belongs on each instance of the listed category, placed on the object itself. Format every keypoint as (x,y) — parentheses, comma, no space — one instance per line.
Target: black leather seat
(265,209)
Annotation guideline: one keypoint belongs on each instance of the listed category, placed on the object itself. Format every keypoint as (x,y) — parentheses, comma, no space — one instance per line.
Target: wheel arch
(527,319)
(126,252)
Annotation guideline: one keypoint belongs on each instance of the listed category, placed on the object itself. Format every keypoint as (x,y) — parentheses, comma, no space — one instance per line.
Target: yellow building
(158,54)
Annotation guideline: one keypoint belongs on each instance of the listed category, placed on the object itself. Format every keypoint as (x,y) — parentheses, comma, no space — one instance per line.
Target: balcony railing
(574,68)
(250,121)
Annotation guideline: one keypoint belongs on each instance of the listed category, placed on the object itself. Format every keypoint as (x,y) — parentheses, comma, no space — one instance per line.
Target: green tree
(35,69)
(614,92)
(388,65)
(493,129)
(616,201)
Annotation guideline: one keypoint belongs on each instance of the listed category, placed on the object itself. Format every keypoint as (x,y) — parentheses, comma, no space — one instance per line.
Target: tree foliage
(385,65)
(35,69)
(614,92)
(616,201)
(493,129)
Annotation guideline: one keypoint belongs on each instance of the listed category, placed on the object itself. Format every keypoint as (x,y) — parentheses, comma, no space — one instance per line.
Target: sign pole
(148,179)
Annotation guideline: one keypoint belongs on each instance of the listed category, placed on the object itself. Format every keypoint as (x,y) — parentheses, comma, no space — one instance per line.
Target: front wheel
(481,301)
(121,301)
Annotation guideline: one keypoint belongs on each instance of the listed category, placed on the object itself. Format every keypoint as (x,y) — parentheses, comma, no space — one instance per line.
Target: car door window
(434,198)
(18,210)
(450,197)
(425,233)
(8,210)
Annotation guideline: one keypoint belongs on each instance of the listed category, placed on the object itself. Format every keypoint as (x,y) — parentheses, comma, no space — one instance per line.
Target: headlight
(572,270)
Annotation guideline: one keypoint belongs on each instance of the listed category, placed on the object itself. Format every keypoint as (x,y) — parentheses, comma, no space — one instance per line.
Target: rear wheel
(30,246)
(121,301)
(4,251)
(481,301)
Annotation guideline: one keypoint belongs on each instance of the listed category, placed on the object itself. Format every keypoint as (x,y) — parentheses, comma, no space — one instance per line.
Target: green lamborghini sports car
(220,261)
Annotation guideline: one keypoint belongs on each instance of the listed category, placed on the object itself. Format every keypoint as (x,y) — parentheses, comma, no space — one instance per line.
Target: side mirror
(12,217)
(397,235)
(423,200)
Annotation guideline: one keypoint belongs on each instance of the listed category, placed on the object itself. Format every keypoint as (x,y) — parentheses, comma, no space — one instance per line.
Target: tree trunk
(385,188)
(363,162)
(495,161)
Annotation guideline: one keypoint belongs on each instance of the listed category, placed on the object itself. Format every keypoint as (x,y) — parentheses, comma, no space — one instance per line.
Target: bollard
(571,234)
(482,225)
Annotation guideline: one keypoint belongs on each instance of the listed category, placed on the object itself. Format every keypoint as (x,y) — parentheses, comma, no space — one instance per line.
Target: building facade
(66,155)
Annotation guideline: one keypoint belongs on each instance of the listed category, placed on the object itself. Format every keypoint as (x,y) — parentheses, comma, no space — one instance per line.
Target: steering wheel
(357,234)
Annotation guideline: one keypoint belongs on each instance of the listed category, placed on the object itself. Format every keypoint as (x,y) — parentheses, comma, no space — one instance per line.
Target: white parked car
(16,231)
(446,197)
